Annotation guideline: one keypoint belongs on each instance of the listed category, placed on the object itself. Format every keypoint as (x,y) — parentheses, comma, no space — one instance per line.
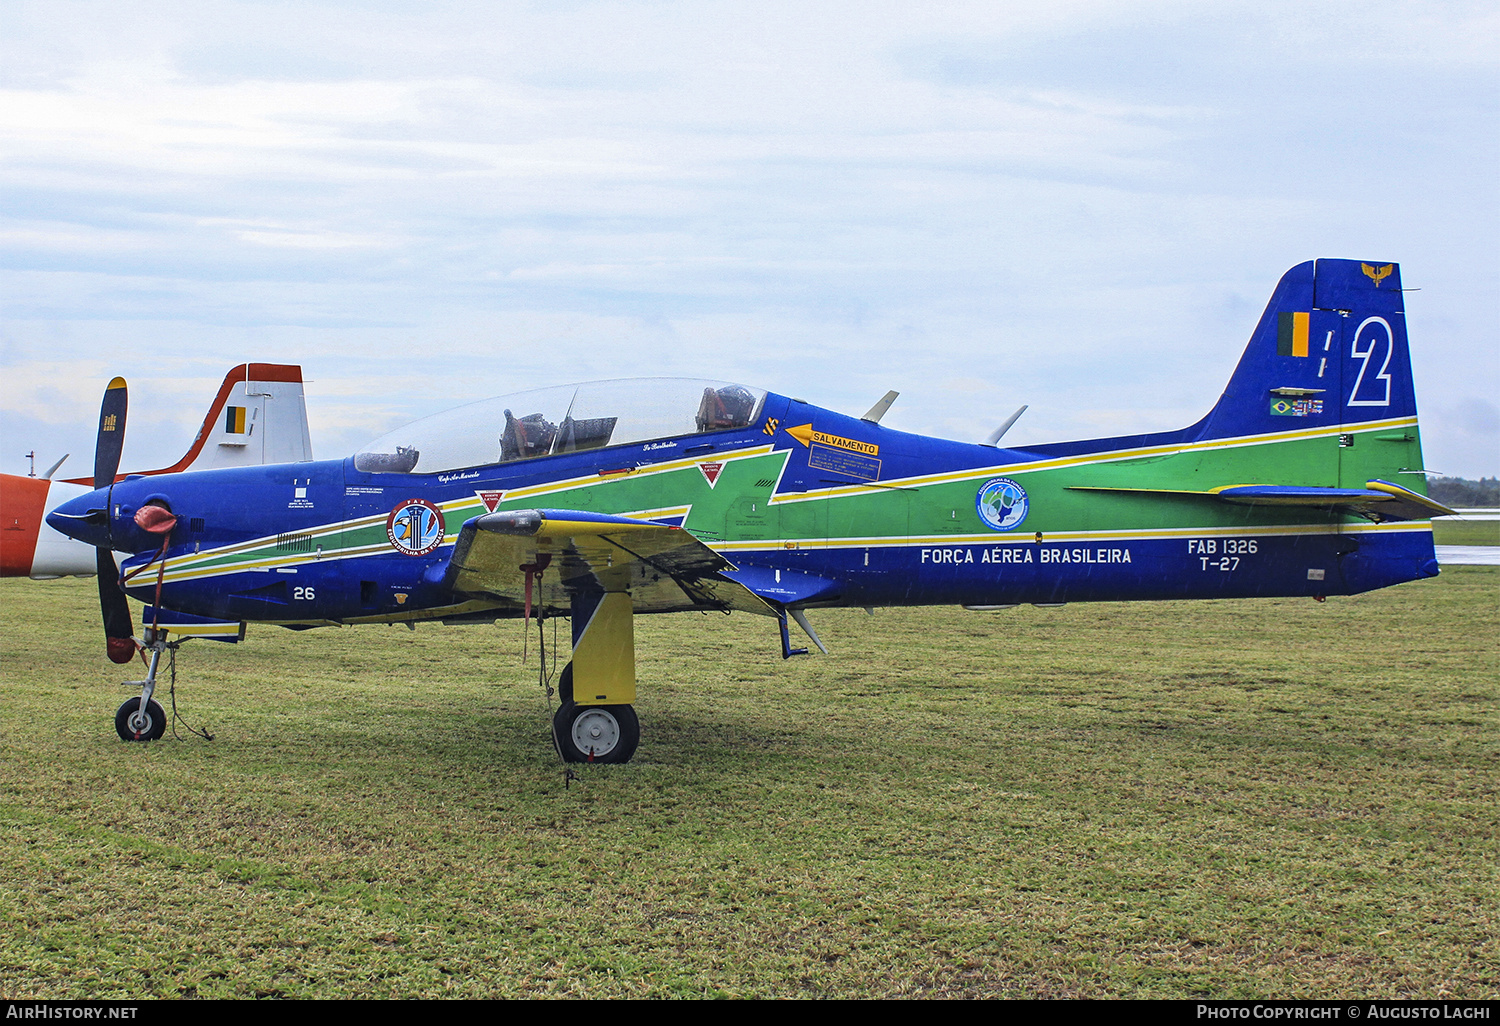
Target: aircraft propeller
(119,629)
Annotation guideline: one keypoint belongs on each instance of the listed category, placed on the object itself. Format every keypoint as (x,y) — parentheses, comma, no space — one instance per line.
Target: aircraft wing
(1379,500)
(664,568)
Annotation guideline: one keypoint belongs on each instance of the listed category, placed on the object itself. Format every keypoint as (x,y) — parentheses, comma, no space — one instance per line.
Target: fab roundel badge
(415,527)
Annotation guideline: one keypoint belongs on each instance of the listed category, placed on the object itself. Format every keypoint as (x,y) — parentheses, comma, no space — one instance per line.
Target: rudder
(1330,350)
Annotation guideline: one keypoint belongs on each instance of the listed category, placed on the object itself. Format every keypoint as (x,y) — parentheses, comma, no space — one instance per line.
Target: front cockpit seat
(727,407)
(526,437)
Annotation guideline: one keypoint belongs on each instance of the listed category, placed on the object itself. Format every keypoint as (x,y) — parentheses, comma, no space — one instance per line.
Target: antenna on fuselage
(801,617)
(999,432)
(874,413)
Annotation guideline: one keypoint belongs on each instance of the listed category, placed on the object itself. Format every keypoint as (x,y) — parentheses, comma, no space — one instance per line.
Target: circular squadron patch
(415,527)
(1002,503)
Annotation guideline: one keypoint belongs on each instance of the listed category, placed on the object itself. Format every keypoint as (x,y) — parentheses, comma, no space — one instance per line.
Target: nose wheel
(142,719)
(596,733)
(139,719)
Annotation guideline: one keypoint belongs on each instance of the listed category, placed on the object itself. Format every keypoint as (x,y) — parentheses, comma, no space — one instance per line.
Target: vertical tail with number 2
(1329,361)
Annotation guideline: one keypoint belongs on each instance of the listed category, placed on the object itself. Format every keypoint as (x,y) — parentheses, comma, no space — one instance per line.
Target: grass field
(1235,799)
(1466,532)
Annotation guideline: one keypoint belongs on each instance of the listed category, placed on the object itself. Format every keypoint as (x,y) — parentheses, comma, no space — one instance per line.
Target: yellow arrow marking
(806,435)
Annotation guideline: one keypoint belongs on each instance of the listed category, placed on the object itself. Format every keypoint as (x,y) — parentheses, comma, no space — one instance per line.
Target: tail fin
(1329,350)
(1328,356)
(1329,362)
(259,416)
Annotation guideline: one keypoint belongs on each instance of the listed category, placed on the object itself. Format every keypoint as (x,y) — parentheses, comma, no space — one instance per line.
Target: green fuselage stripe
(742,510)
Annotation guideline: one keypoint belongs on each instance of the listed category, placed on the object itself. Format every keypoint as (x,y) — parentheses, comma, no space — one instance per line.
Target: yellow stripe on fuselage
(1049,537)
(1086,459)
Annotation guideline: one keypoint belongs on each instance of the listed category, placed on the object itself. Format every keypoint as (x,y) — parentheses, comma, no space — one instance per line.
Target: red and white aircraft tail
(259,416)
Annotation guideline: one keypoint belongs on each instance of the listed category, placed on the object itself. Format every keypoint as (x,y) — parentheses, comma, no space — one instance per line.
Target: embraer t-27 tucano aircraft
(604,500)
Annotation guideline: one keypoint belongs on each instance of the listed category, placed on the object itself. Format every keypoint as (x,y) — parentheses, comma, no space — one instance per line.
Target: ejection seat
(727,407)
(526,437)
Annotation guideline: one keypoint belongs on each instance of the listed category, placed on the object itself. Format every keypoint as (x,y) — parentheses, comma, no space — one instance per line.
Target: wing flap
(664,568)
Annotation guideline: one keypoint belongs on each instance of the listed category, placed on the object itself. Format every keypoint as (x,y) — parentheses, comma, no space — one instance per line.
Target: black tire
(611,731)
(565,685)
(156,721)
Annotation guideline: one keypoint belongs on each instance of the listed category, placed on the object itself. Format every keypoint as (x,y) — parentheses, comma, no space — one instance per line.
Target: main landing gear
(597,722)
(596,733)
(593,733)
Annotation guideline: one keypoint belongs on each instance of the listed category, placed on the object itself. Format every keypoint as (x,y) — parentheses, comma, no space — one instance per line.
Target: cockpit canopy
(567,418)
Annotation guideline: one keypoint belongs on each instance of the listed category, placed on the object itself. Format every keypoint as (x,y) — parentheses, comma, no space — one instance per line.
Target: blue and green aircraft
(606,500)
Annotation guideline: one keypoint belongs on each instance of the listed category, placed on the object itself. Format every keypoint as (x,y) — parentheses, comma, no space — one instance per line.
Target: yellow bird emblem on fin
(1377,274)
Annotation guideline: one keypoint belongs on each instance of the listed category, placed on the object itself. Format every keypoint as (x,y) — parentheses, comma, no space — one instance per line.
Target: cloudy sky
(1081,206)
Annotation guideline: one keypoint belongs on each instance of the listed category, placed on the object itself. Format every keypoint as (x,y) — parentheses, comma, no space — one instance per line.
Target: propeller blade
(118,626)
(111,434)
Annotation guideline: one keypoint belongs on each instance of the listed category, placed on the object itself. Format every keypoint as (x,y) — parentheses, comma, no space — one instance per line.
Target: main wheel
(133,725)
(596,733)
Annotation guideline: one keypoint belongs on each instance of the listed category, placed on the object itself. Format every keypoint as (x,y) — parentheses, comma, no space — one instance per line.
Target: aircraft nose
(85,518)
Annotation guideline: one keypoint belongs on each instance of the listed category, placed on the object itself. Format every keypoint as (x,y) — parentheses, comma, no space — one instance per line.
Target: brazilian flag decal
(1296,407)
(1291,333)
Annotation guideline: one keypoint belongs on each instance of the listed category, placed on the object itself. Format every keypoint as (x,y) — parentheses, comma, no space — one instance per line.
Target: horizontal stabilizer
(1379,500)
(1294,495)
(1405,504)
(663,567)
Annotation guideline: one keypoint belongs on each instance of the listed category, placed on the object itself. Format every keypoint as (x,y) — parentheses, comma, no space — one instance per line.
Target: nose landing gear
(134,725)
(143,719)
